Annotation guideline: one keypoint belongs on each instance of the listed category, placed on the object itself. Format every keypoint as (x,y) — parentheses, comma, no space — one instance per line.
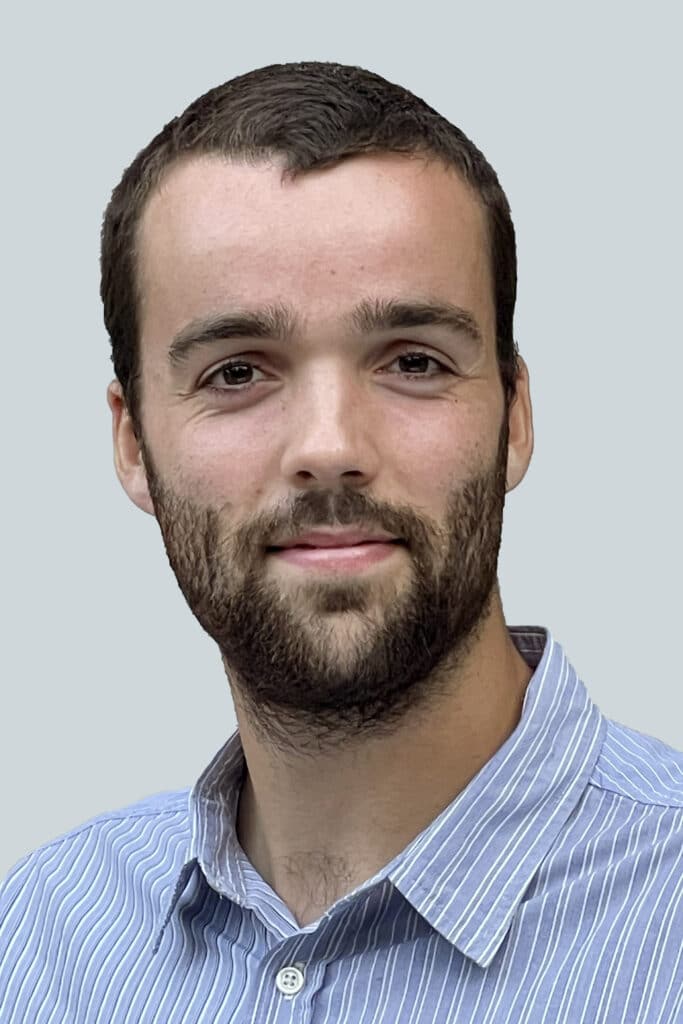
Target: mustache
(319,510)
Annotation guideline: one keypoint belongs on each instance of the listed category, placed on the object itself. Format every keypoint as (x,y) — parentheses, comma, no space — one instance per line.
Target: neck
(316,827)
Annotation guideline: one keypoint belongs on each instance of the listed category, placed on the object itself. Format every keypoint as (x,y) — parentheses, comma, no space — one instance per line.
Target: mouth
(332,547)
(342,558)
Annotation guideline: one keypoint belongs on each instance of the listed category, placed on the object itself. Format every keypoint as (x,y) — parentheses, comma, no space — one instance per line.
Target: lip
(334,539)
(344,558)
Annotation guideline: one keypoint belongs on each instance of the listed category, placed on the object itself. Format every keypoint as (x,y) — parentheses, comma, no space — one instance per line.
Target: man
(309,282)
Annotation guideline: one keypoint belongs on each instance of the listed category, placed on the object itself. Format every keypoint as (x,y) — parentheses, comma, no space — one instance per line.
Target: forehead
(216,233)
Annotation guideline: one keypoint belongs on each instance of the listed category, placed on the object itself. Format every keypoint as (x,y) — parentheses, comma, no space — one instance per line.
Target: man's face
(341,408)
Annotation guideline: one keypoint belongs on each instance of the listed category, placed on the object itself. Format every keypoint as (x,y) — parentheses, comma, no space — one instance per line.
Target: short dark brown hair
(312,114)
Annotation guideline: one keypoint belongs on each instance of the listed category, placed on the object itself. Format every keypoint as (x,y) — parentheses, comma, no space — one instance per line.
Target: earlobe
(128,461)
(521,429)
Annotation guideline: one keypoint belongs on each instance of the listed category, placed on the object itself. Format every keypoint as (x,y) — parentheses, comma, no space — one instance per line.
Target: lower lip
(342,559)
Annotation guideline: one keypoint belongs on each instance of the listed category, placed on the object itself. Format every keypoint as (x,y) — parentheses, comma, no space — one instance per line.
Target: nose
(331,434)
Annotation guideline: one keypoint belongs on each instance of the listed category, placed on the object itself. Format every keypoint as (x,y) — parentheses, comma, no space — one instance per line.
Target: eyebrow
(270,322)
(390,314)
(277,323)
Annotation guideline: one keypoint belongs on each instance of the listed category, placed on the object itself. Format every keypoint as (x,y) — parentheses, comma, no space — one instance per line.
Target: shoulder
(625,835)
(157,809)
(88,899)
(613,874)
(625,838)
(81,861)
(639,768)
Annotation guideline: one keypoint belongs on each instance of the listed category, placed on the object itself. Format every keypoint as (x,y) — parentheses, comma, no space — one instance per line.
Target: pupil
(233,370)
(410,359)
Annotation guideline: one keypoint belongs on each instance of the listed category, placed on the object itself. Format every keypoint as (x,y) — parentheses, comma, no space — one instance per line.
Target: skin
(328,799)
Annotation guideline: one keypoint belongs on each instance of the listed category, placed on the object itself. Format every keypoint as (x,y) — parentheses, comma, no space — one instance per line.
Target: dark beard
(297,691)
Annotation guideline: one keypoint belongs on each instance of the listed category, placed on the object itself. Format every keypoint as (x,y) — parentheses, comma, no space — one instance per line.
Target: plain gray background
(110,689)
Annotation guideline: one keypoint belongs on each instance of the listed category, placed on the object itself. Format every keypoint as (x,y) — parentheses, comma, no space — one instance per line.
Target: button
(290,980)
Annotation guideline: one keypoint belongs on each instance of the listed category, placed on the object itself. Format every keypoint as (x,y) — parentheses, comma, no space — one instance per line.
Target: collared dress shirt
(549,891)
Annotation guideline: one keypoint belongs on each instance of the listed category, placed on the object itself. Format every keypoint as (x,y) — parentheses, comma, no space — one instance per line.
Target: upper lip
(334,538)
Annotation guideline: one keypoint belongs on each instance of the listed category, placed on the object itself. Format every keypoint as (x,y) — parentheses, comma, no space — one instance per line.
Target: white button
(290,980)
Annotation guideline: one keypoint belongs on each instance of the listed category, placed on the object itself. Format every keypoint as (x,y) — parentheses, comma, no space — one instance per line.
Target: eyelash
(241,389)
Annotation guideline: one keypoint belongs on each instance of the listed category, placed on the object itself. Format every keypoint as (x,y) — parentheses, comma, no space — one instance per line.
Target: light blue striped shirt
(549,890)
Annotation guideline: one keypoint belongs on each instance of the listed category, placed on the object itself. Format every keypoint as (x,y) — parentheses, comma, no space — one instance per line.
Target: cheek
(421,451)
(442,448)
(218,459)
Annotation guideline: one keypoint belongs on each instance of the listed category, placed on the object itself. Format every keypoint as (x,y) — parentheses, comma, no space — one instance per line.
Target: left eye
(236,375)
(417,361)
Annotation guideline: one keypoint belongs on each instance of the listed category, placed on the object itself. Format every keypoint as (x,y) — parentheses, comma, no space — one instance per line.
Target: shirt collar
(467,872)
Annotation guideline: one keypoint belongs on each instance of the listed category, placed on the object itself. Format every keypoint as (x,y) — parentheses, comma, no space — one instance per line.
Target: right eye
(232,374)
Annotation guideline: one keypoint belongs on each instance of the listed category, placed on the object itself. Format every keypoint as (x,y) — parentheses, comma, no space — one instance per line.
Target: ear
(128,461)
(521,435)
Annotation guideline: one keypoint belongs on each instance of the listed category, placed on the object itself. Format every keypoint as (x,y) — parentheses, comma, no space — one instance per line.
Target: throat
(308,881)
